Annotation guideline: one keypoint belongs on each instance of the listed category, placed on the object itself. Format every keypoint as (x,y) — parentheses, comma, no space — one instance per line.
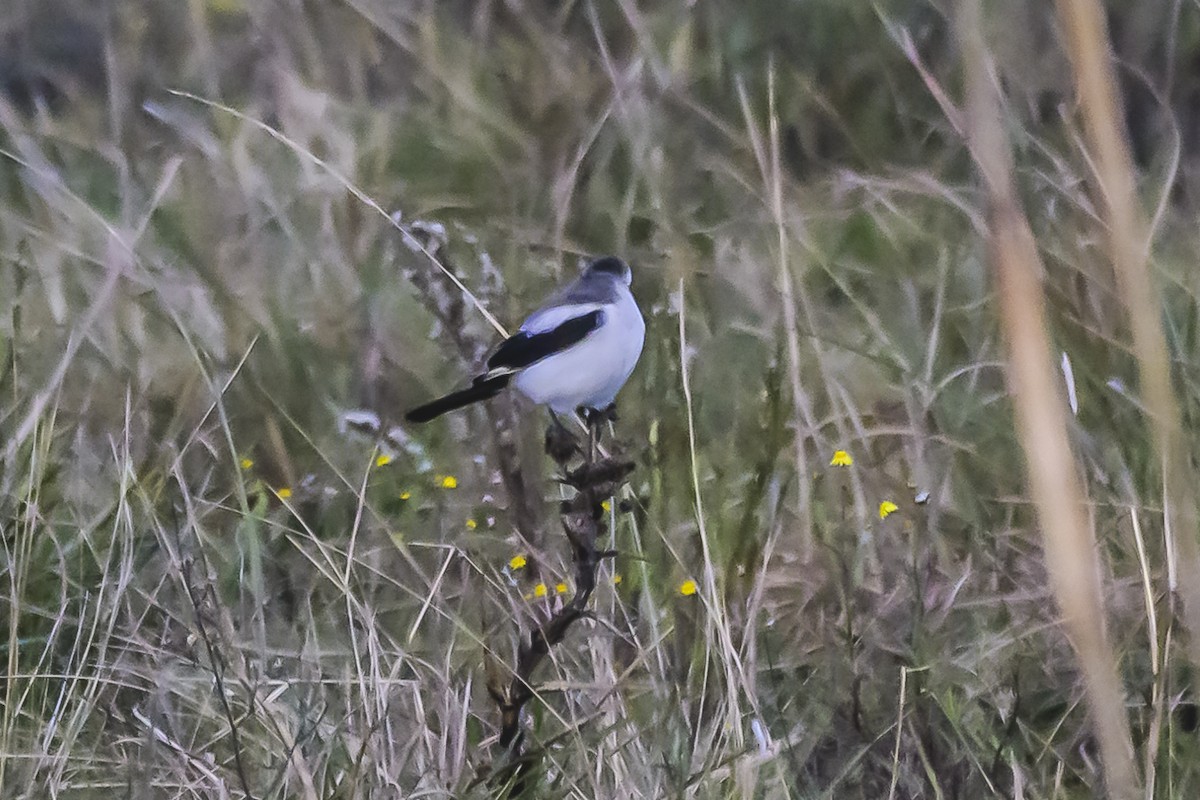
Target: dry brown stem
(582,515)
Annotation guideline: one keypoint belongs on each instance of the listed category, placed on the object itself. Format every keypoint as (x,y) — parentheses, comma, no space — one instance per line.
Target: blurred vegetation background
(211,588)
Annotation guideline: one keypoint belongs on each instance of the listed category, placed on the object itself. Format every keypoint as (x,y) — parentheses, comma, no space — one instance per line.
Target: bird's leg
(594,420)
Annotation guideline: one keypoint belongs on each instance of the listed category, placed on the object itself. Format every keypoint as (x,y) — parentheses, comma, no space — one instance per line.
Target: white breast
(591,372)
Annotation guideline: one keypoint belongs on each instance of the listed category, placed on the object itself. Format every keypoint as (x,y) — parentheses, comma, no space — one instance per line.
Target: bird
(573,353)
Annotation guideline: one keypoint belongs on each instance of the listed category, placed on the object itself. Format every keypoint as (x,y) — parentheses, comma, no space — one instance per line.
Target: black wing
(525,348)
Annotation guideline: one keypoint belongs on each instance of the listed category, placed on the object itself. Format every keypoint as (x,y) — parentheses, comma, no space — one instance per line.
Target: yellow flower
(472,524)
(887,507)
(607,506)
(246,463)
(560,587)
(383,460)
(447,481)
(539,590)
(688,588)
(841,459)
(405,495)
(517,562)
(284,493)
(617,579)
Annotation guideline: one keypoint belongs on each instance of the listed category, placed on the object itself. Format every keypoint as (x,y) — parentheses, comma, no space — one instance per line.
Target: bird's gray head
(610,265)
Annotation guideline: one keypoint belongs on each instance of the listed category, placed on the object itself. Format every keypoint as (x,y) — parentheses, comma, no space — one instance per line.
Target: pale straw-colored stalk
(1041,417)
(1129,245)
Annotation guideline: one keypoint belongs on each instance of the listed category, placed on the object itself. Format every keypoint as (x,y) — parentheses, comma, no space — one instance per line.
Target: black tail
(482,389)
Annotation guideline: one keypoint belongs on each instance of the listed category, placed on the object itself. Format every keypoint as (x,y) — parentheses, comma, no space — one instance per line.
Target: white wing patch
(550,318)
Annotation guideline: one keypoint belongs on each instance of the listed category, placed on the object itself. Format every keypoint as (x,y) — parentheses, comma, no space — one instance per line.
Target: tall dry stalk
(1128,241)
(1041,419)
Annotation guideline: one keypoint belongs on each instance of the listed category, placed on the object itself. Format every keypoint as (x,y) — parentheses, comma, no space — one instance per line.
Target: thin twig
(215,660)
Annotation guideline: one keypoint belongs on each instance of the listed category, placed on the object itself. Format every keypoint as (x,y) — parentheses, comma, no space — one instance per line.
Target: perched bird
(576,351)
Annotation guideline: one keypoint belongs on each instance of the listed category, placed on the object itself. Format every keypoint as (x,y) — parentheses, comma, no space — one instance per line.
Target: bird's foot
(598,416)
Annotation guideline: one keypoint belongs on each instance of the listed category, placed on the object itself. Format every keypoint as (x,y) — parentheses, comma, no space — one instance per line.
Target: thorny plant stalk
(594,480)
(447,305)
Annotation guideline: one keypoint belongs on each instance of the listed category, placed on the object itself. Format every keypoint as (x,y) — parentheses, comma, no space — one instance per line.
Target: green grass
(181,292)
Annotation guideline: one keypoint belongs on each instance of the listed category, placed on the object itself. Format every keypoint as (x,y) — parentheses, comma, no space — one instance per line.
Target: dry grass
(211,589)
